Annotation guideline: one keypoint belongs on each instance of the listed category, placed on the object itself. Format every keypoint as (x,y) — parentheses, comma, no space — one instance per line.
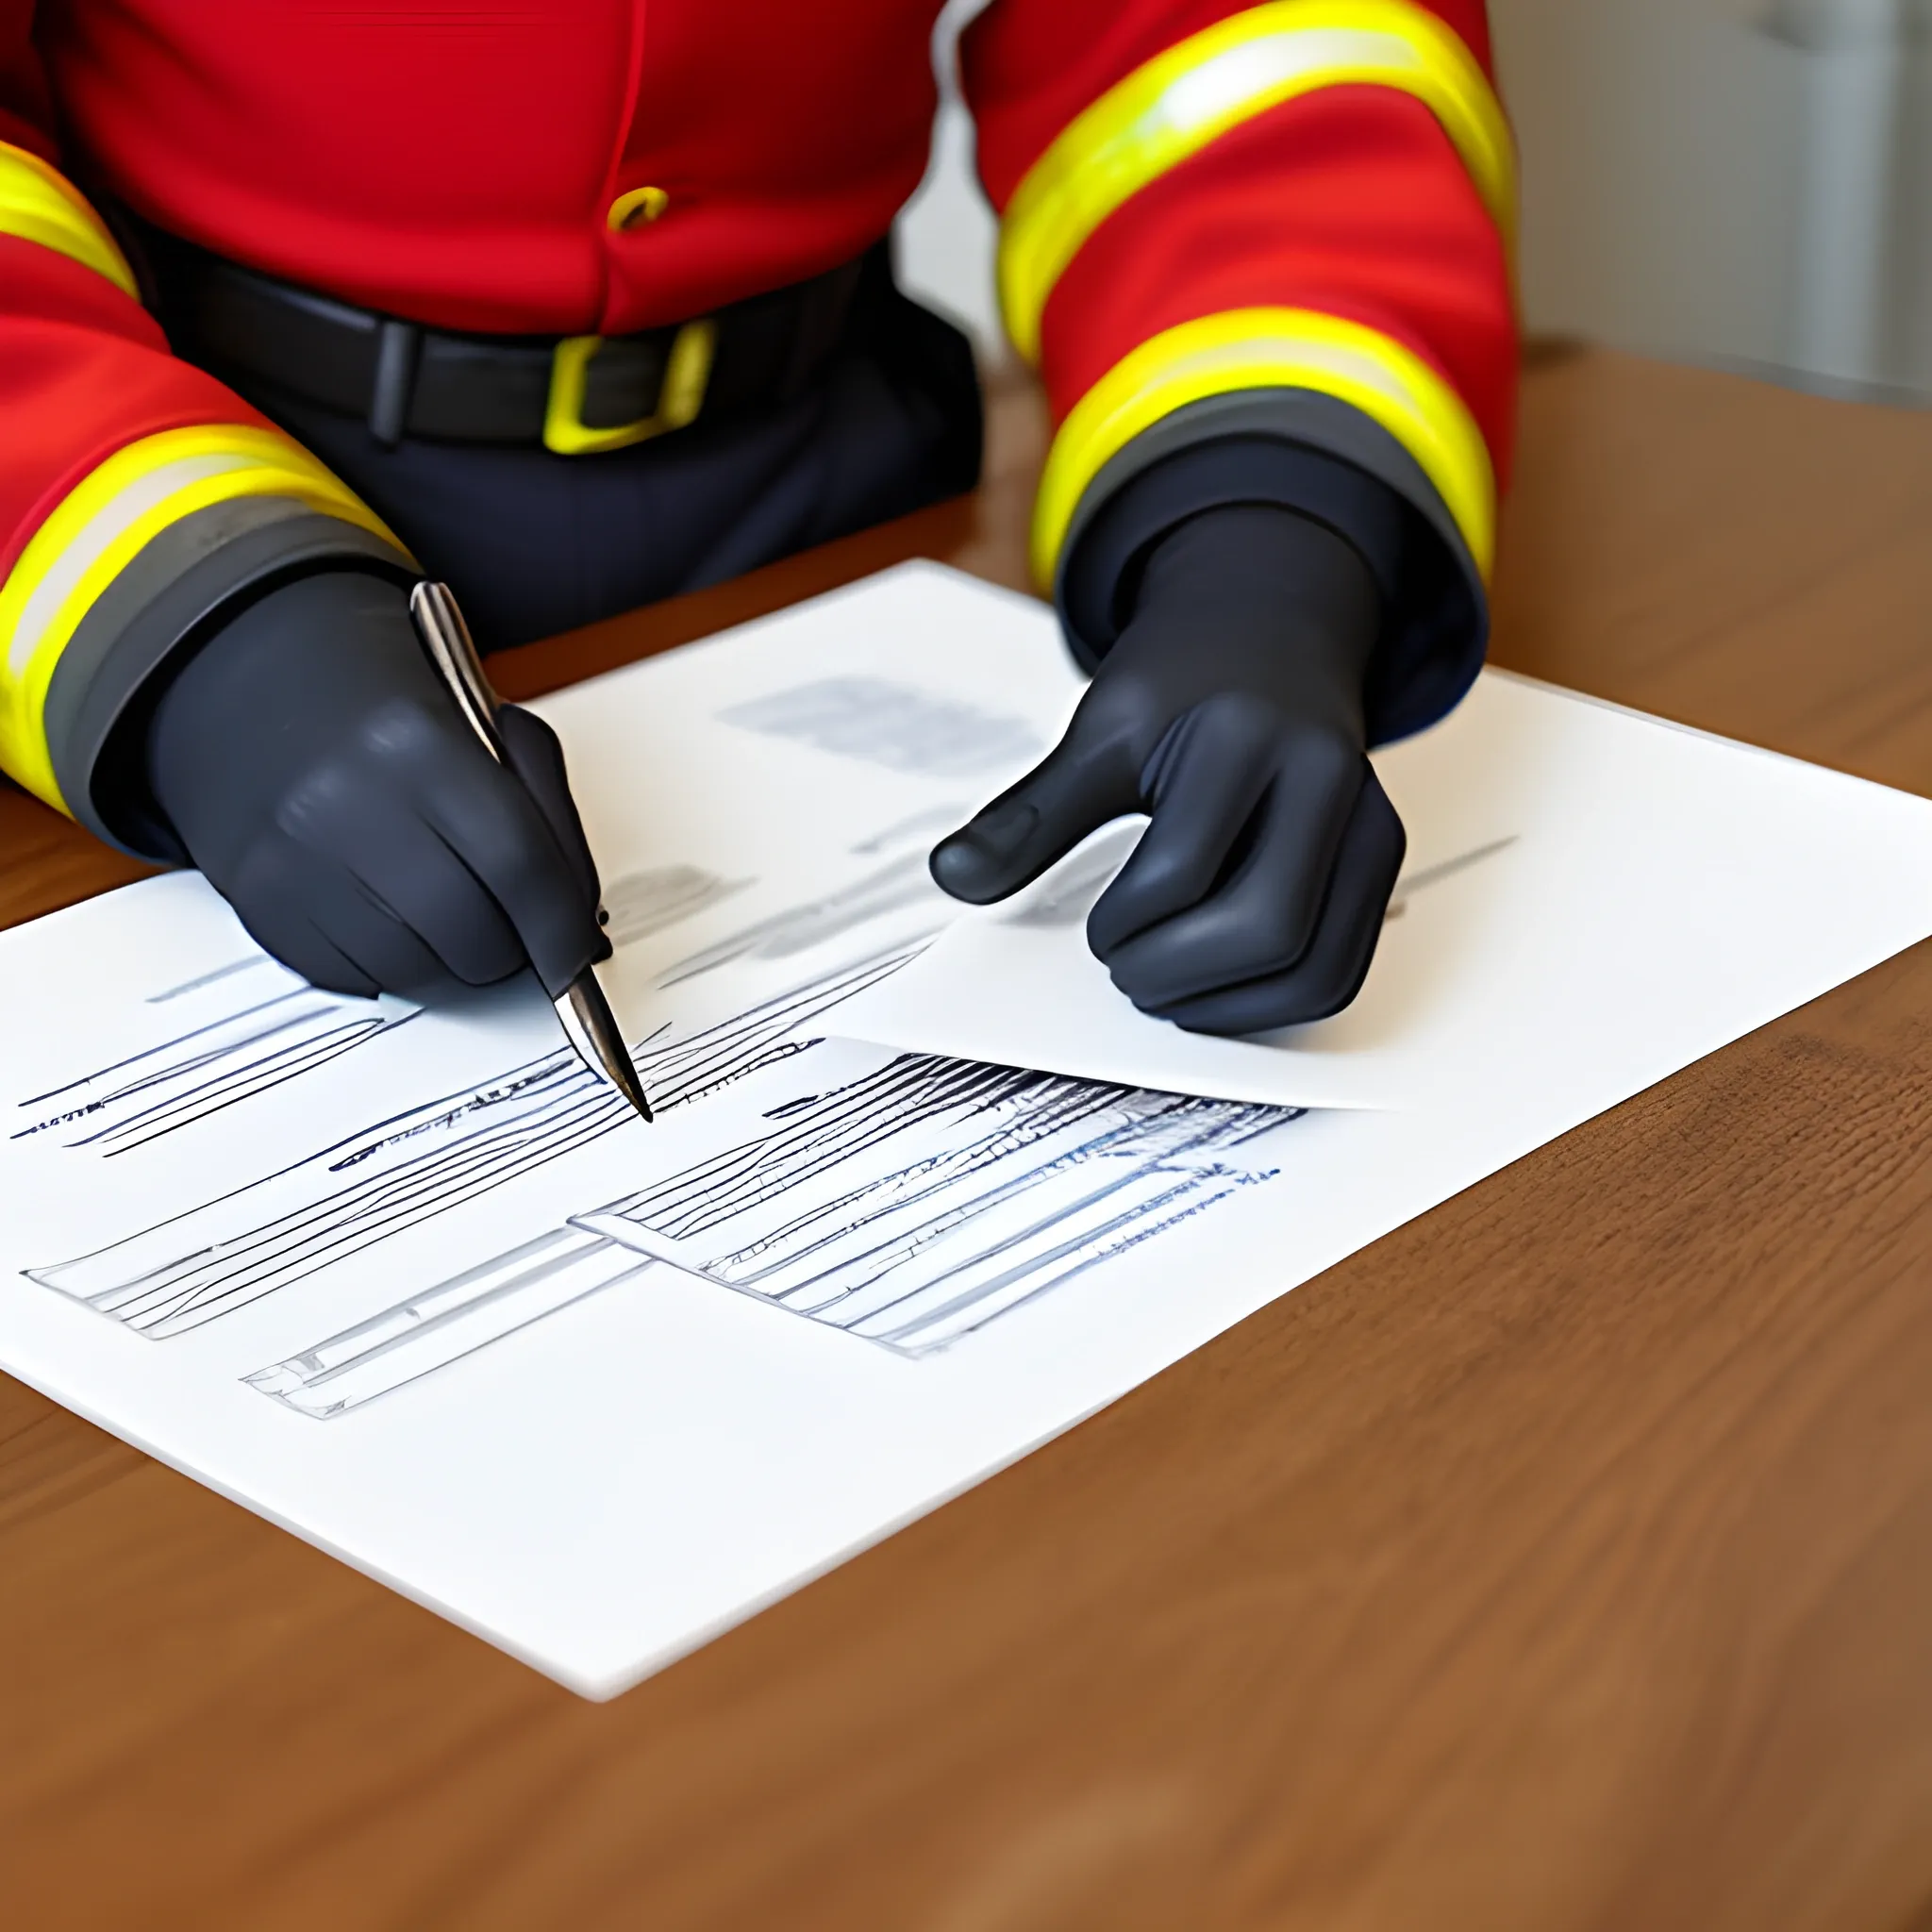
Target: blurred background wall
(1746,183)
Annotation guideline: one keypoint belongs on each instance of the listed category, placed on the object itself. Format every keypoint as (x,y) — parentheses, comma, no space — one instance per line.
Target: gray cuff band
(168,597)
(1437,623)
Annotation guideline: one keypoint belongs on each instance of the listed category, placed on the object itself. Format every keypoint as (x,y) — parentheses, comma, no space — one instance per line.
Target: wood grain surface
(1564,1561)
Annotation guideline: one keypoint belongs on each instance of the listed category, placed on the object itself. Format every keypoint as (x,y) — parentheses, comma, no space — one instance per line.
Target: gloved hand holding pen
(314,767)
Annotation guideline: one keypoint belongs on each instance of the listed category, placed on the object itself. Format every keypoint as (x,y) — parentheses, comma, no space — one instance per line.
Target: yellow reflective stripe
(1272,348)
(1200,88)
(40,204)
(102,524)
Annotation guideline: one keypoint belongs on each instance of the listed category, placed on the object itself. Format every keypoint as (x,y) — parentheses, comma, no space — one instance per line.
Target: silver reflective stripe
(110,522)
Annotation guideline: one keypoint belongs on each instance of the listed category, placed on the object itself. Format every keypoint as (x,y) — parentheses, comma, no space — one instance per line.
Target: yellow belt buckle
(680,396)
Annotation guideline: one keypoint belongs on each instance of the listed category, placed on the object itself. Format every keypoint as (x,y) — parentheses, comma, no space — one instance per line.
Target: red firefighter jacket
(1204,207)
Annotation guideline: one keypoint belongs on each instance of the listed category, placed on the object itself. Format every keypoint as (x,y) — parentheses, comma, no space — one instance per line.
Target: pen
(588,1022)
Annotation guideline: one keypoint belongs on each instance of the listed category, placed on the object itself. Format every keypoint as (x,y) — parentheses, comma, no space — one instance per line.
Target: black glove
(315,768)
(1230,710)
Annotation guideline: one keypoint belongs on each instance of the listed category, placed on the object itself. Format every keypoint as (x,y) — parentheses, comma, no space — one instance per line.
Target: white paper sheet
(1588,892)
(411,1284)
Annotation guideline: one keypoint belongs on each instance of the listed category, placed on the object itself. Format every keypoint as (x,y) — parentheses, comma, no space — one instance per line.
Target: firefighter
(583,305)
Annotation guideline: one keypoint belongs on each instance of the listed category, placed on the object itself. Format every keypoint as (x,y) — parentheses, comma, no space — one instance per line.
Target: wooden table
(1562,1561)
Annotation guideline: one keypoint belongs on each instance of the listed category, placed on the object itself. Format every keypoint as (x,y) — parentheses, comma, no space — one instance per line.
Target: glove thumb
(1078,788)
(536,756)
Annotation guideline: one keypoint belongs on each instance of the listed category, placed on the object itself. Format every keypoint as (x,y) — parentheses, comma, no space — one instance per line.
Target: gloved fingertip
(556,982)
(960,868)
(986,859)
(579,941)
(1003,830)
(559,958)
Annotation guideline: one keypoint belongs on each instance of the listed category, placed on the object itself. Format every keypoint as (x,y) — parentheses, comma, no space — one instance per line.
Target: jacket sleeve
(138,495)
(1262,253)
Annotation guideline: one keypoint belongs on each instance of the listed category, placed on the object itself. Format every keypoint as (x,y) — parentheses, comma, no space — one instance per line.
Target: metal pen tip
(592,1028)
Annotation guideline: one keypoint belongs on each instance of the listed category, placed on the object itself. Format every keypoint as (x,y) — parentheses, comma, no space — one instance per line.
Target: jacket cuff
(1327,461)
(174,593)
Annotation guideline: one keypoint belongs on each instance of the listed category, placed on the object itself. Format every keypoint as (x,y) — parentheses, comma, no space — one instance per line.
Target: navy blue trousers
(535,544)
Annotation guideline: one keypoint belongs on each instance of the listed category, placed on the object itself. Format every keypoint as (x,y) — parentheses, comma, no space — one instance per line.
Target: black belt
(575,394)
